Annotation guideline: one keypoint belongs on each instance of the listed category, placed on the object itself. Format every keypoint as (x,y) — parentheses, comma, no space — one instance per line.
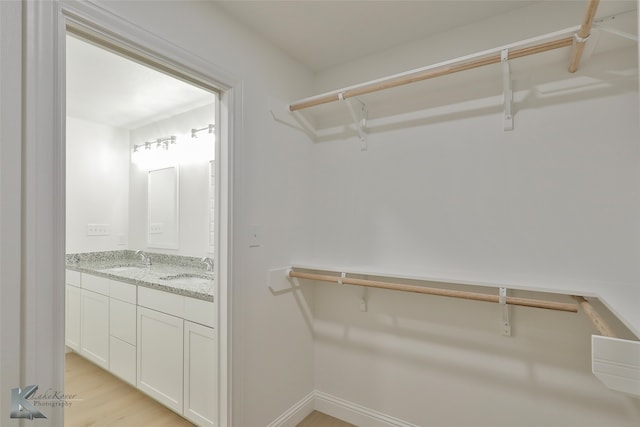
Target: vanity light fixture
(159,143)
(194,132)
(160,152)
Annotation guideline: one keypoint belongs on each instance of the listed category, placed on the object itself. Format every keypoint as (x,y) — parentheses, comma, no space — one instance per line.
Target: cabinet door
(72,317)
(200,374)
(94,327)
(160,357)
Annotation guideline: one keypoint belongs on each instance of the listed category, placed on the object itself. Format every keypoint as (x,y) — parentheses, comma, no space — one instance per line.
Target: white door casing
(10,195)
(42,154)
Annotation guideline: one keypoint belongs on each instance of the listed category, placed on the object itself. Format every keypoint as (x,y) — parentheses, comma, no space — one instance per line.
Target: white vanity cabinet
(72,310)
(94,327)
(200,378)
(163,343)
(160,357)
(177,353)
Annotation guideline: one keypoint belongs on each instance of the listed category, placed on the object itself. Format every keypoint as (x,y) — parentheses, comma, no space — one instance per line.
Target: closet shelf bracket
(505,324)
(363,300)
(359,115)
(506,89)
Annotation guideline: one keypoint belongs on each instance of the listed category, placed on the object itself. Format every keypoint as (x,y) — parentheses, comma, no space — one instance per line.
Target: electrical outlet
(155,228)
(97,229)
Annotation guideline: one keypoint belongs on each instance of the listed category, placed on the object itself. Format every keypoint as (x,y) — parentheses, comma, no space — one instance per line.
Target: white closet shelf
(576,38)
(521,49)
(345,276)
(614,360)
(622,306)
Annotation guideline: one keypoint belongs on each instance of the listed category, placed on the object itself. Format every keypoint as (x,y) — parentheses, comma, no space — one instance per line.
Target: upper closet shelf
(576,37)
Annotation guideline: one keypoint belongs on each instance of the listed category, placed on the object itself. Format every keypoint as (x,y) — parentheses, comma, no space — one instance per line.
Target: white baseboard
(292,416)
(339,408)
(355,414)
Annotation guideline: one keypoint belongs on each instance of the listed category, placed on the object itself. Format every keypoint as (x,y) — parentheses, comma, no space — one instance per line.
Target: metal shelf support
(359,115)
(506,89)
(505,309)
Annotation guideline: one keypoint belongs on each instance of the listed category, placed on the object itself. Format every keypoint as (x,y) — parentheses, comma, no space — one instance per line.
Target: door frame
(43,185)
(10,201)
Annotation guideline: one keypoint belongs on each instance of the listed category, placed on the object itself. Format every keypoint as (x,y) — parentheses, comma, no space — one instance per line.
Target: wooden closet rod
(550,305)
(583,34)
(427,73)
(601,325)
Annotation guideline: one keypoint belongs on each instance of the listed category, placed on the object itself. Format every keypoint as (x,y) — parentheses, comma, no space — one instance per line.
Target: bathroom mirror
(162,205)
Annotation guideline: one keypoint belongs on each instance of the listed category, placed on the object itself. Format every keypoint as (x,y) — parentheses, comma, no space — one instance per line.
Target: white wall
(97,185)
(411,357)
(272,353)
(193,185)
(435,361)
(553,204)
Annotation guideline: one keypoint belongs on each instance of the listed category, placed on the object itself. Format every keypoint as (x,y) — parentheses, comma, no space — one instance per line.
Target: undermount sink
(188,279)
(123,269)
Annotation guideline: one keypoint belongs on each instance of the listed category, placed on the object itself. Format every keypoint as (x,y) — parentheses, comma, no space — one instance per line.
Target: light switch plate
(255,236)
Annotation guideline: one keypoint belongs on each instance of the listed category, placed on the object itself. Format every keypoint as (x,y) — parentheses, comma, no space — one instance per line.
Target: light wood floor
(109,402)
(318,419)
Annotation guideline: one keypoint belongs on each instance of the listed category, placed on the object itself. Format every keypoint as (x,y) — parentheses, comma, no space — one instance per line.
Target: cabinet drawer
(165,302)
(122,360)
(122,321)
(122,291)
(95,283)
(199,311)
(72,277)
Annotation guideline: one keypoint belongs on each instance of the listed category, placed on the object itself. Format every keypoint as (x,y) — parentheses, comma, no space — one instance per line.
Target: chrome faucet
(146,258)
(208,262)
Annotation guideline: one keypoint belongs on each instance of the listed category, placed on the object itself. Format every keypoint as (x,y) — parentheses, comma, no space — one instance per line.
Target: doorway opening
(145,178)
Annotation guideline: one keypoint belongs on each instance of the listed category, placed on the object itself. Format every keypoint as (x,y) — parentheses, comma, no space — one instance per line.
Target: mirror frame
(176,243)
(211,224)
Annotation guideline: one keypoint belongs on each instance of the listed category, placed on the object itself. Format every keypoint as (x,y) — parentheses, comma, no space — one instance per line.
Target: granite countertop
(178,276)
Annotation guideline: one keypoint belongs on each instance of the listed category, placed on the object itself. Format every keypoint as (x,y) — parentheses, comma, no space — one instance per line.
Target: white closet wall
(272,345)
(552,204)
(451,192)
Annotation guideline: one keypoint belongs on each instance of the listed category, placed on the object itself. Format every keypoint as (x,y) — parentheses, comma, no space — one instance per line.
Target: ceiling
(320,34)
(106,88)
(324,33)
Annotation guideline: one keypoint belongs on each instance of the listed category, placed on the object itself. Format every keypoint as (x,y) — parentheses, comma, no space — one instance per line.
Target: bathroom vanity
(152,326)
